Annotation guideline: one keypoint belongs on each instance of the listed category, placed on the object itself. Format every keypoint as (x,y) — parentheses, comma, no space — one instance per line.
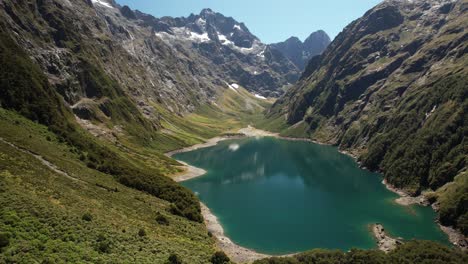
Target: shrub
(175,210)
(431,197)
(4,239)
(161,219)
(48,261)
(219,258)
(174,259)
(104,246)
(87,217)
(141,232)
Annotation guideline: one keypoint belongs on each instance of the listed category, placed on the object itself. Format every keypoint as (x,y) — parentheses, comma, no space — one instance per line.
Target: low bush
(219,258)
(161,219)
(174,259)
(141,232)
(87,217)
(4,239)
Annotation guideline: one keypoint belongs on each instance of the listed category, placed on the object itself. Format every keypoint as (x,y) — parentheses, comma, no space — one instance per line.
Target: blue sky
(270,20)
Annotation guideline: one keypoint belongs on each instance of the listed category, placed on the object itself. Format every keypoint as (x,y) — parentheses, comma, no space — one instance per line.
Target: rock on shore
(384,242)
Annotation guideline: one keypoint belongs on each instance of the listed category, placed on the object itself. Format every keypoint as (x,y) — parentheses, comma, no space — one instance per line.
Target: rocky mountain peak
(206,12)
(226,28)
(293,40)
(301,52)
(317,41)
(208,26)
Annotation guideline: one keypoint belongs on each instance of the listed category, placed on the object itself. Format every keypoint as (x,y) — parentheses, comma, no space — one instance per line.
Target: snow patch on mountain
(199,37)
(262,53)
(224,40)
(102,3)
(256,48)
(182,33)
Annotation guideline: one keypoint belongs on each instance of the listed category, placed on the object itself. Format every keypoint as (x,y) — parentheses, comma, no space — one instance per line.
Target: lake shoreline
(192,172)
(235,252)
(245,255)
(455,236)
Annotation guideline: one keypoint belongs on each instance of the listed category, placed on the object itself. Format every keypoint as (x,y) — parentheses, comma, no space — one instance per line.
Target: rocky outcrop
(300,52)
(384,241)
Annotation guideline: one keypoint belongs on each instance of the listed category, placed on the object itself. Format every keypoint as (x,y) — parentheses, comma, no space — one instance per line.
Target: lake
(277,196)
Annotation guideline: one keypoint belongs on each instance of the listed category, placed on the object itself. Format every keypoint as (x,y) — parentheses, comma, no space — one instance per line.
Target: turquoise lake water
(277,196)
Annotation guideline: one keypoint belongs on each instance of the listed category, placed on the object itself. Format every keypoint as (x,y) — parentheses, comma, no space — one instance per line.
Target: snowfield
(102,3)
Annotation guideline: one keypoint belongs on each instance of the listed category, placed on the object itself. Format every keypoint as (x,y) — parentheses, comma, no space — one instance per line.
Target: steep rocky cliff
(301,52)
(392,89)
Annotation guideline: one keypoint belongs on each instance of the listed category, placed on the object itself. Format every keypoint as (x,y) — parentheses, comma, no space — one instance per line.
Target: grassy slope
(233,110)
(41,210)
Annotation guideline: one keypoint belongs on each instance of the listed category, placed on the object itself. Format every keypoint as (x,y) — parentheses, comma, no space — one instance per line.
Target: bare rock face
(382,18)
(127,12)
(300,52)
